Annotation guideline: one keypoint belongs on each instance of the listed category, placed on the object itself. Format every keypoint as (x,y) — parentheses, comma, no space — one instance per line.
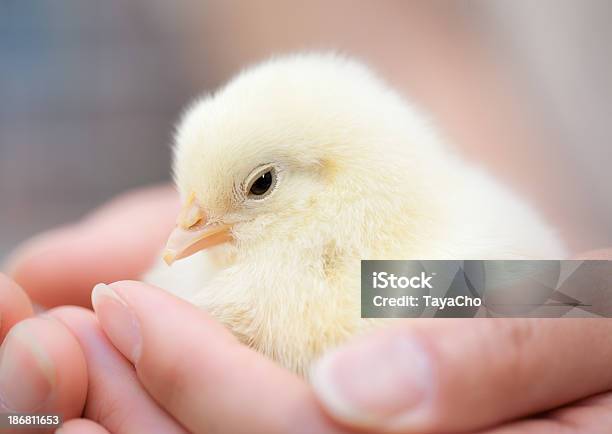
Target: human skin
(32,348)
(146,372)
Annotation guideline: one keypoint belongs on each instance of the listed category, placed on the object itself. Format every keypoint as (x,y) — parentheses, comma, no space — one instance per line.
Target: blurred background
(90,91)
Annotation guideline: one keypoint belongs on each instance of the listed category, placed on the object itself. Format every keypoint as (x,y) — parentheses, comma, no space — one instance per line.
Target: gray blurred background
(90,90)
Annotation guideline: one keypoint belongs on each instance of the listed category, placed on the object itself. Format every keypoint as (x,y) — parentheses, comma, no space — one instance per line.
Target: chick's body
(357,174)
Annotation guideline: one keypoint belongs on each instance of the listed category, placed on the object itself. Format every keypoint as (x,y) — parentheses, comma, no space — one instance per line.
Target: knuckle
(520,336)
(111,412)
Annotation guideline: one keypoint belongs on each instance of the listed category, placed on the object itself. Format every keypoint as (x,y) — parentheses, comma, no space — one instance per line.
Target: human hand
(472,346)
(517,375)
(58,268)
(417,376)
(526,376)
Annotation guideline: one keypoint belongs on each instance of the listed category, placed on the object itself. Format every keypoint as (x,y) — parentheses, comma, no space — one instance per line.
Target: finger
(120,240)
(196,369)
(458,375)
(538,426)
(14,305)
(81,426)
(42,370)
(116,399)
(586,416)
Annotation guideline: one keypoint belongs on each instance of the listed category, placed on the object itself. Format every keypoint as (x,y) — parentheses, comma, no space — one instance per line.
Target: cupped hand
(423,376)
(52,362)
(457,375)
(175,366)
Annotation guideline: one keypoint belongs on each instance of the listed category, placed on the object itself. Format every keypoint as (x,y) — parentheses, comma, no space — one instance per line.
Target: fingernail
(383,382)
(118,321)
(27,374)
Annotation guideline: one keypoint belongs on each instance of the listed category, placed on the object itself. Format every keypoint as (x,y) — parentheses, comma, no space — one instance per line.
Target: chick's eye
(262,184)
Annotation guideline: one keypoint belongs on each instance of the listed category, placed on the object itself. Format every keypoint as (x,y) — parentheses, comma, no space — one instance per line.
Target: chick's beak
(193,233)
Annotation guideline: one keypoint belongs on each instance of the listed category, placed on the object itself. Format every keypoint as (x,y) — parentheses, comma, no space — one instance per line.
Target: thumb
(197,371)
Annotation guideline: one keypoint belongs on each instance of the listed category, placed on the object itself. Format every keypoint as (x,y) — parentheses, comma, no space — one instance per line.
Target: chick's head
(283,148)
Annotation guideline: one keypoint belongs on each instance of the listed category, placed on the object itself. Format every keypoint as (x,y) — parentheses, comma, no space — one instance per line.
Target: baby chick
(295,171)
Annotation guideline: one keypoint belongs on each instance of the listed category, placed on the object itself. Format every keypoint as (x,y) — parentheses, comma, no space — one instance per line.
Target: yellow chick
(295,171)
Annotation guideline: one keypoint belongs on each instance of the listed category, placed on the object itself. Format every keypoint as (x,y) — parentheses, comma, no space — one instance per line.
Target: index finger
(118,241)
